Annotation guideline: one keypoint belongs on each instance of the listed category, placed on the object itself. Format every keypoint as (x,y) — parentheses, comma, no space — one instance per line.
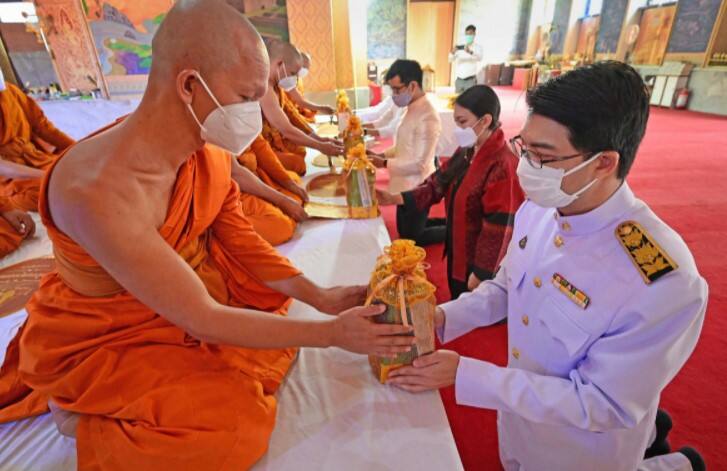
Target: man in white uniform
(604,300)
(466,58)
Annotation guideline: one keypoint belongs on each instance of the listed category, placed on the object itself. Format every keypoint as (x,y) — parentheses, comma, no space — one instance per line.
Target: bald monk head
(204,42)
(306,60)
(285,59)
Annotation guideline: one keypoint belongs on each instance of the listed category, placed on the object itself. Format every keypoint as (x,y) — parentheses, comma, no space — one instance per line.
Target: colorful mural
(693,25)
(123,29)
(520,42)
(70,41)
(386,29)
(612,18)
(270,17)
(560,26)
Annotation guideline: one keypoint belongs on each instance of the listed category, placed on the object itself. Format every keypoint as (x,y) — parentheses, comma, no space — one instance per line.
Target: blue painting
(520,44)
(386,29)
(560,25)
(612,19)
(693,25)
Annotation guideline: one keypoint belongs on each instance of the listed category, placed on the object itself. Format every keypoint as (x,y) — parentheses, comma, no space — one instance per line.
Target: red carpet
(680,172)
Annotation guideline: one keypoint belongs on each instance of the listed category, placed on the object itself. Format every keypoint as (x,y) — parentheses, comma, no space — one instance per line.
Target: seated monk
(307,109)
(270,196)
(283,130)
(161,337)
(15,227)
(27,138)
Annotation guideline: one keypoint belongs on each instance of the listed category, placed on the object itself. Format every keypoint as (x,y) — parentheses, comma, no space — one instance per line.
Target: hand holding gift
(400,284)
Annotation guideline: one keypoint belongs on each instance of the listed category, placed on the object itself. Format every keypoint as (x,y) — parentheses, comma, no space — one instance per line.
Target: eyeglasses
(536,159)
(398,89)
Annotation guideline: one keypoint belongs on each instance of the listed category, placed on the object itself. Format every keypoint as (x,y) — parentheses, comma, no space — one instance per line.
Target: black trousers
(416,225)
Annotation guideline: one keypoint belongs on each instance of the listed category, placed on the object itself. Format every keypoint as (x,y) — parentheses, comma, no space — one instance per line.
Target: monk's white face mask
(285,81)
(2,81)
(231,127)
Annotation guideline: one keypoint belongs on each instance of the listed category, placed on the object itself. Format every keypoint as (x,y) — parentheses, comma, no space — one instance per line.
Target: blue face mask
(469,39)
(402,99)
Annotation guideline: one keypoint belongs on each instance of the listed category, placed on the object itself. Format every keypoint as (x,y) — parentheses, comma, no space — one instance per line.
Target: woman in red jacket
(481,191)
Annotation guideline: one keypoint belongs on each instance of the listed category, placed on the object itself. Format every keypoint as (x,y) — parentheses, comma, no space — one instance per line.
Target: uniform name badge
(570,291)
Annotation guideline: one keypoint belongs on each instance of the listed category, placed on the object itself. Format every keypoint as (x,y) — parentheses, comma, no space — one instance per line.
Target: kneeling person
(604,301)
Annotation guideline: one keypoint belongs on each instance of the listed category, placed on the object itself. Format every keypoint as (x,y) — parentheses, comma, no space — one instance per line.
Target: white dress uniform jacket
(582,385)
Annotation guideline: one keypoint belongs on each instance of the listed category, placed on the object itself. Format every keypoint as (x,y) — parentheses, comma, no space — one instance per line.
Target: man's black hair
(407,70)
(605,106)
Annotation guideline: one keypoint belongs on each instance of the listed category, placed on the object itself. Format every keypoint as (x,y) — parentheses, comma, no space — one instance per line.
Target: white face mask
(466,137)
(303,72)
(543,185)
(231,127)
(287,83)
(2,81)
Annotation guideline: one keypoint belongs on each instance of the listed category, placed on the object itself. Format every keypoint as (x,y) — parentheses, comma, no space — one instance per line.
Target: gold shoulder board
(649,259)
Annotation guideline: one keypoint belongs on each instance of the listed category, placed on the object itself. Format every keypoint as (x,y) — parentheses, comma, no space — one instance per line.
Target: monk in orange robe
(15,227)
(307,109)
(161,338)
(275,209)
(289,133)
(27,138)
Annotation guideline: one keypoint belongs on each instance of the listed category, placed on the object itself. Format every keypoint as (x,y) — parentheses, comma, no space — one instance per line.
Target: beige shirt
(411,159)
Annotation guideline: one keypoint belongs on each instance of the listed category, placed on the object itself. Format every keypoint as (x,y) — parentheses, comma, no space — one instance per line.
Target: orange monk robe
(151,396)
(24,138)
(10,239)
(268,220)
(291,155)
(307,113)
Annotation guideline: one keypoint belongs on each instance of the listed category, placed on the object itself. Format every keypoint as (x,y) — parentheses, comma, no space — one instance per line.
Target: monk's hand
(293,209)
(340,298)
(385,198)
(297,190)
(330,148)
(434,371)
(473,282)
(21,221)
(325,109)
(354,331)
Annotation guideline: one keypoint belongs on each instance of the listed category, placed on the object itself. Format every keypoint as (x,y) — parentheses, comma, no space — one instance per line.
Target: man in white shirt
(466,57)
(411,159)
(382,119)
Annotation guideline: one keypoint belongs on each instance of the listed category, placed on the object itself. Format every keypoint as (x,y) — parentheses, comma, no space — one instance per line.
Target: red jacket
(480,205)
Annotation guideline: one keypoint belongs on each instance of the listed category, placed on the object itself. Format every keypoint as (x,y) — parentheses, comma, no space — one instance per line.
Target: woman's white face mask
(467,137)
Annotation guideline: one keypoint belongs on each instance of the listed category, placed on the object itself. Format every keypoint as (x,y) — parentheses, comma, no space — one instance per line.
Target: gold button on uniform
(537,282)
(566,227)
(526,319)
(558,241)
(516,353)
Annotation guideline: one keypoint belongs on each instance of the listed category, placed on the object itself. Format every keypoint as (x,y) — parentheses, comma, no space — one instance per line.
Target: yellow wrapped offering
(353,135)
(360,180)
(343,111)
(399,282)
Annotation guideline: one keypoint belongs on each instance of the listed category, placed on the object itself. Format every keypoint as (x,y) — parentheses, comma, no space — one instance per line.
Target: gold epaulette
(650,260)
